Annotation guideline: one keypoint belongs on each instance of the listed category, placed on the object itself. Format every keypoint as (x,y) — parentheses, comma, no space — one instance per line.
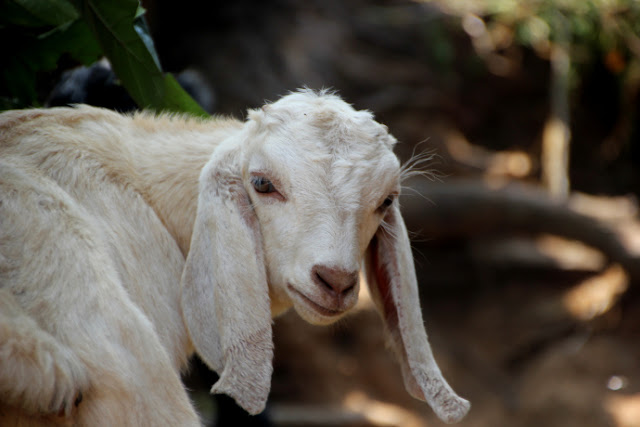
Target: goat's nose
(335,280)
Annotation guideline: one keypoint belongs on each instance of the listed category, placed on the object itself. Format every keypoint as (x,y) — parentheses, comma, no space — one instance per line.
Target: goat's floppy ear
(393,286)
(225,299)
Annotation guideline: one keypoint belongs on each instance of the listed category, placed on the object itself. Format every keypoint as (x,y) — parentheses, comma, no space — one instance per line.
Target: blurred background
(526,235)
(525,223)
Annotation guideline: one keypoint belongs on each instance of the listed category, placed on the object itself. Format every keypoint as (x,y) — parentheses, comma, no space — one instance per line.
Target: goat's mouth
(320,309)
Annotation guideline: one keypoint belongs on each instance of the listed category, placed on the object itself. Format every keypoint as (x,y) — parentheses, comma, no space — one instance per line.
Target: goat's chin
(314,317)
(313,312)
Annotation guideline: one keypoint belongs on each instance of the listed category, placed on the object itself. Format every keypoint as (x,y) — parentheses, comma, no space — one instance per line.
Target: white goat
(129,242)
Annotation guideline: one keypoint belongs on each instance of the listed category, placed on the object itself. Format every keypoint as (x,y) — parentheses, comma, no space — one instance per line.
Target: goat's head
(289,211)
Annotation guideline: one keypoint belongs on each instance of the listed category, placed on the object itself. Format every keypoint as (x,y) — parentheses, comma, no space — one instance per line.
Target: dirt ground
(528,344)
(512,348)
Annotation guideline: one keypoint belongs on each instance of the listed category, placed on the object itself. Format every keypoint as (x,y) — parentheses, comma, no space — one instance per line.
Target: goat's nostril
(336,281)
(327,285)
(348,290)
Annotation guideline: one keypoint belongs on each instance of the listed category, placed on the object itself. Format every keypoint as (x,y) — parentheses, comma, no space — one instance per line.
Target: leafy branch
(44,36)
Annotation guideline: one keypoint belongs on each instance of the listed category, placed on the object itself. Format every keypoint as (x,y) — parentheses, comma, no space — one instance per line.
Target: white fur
(129,242)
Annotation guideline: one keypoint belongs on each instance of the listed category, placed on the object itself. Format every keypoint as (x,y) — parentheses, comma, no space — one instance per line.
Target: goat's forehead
(322,118)
(363,180)
(307,101)
(318,136)
(356,174)
(316,153)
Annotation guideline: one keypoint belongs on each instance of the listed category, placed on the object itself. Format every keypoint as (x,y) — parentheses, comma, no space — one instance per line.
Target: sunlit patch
(595,296)
(357,410)
(381,413)
(510,163)
(364,297)
(497,165)
(624,409)
(570,254)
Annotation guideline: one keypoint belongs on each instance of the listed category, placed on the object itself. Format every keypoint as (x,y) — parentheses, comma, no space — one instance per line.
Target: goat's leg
(44,383)
(81,332)
(37,372)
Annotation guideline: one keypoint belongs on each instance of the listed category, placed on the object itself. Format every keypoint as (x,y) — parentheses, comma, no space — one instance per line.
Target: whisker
(417,163)
(410,191)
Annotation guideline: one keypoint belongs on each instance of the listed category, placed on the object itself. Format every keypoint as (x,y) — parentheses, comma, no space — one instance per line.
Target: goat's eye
(386,203)
(262,184)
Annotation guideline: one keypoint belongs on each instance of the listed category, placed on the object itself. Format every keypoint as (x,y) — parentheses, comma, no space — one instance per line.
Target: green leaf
(18,81)
(140,25)
(119,27)
(51,12)
(176,99)
(111,21)
(27,56)
(37,34)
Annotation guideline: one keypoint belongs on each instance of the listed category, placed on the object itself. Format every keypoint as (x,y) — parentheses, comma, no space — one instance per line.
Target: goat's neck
(169,161)
(169,166)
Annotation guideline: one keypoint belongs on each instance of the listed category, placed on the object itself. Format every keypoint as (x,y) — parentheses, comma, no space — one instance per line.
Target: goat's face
(320,183)
(298,200)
